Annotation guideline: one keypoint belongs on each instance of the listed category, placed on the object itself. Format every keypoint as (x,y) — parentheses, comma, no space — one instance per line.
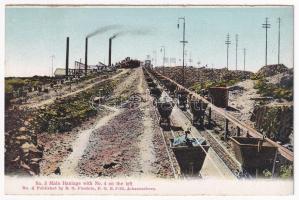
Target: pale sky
(32,35)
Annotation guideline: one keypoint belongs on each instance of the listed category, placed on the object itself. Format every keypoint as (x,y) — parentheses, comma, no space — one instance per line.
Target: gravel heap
(22,152)
(271,70)
(194,75)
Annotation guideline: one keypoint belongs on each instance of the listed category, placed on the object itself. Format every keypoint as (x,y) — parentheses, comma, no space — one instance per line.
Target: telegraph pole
(266,26)
(52,59)
(244,52)
(155,57)
(190,59)
(198,70)
(163,47)
(237,51)
(227,42)
(278,41)
(184,43)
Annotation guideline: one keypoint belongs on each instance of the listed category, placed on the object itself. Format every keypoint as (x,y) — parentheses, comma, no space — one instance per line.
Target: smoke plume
(132,32)
(103,30)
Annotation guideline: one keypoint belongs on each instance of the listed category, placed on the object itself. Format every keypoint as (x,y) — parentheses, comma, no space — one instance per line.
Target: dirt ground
(243,100)
(123,141)
(63,150)
(59,146)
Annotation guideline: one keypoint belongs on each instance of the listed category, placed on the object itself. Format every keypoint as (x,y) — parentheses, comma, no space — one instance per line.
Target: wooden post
(201,117)
(238,131)
(226,129)
(274,164)
(209,118)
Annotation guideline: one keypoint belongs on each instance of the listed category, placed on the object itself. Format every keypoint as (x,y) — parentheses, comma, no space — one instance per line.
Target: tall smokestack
(110,44)
(86,52)
(67,57)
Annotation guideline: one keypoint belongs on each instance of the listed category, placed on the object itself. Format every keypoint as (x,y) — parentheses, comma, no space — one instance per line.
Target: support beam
(201,117)
(226,129)
(238,131)
(210,118)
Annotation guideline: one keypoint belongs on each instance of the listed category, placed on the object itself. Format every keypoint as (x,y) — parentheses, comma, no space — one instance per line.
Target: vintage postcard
(148,99)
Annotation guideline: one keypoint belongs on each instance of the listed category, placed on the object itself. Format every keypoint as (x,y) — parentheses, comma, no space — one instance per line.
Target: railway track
(227,159)
(223,154)
(173,132)
(250,131)
(172,161)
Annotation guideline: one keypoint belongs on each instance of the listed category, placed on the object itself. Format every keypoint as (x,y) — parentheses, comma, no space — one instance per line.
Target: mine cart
(198,109)
(147,64)
(254,153)
(160,78)
(190,153)
(163,81)
(165,108)
(156,92)
(219,96)
(182,96)
(151,84)
(171,88)
(157,76)
(149,79)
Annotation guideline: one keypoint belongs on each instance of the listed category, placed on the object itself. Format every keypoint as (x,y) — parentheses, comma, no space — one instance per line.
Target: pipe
(86,53)
(110,46)
(67,57)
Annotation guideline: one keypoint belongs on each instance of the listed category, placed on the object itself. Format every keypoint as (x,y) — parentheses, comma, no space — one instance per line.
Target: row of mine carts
(164,105)
(252,153)
(183,100)
(190,152)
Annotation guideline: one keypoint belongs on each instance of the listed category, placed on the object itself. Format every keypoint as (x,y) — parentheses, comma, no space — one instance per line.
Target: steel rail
(176,175)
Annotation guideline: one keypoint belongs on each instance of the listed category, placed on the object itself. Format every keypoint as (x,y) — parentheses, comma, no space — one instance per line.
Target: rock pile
(202,75)
(22,152)
(284,79)
(271,70)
